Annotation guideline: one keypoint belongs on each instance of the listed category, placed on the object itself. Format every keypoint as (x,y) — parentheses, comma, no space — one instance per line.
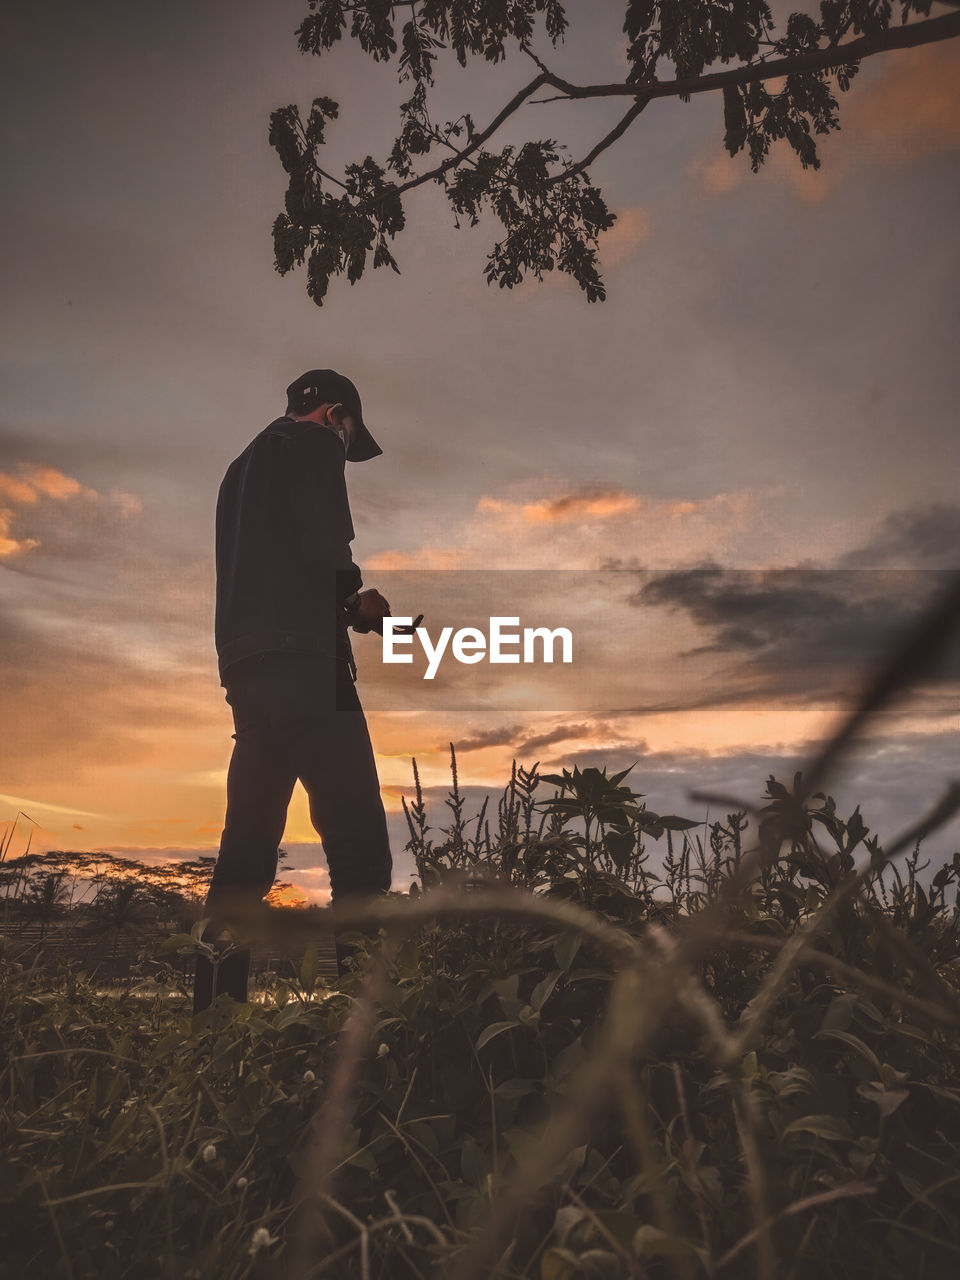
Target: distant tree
(46,898)
(285,894)
(182,883)
(171,905)
(97,869)
(16,875)
(550,212)
(121,906)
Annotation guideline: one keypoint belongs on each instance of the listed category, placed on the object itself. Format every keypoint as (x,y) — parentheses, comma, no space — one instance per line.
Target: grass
(554,1062)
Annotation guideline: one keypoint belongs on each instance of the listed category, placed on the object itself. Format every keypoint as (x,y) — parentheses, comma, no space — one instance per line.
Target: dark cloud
(562,733)
(798,631)
(927,537)
(485,738)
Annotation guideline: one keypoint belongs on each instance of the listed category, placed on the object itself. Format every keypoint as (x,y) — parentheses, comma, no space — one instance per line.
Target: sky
(734,480)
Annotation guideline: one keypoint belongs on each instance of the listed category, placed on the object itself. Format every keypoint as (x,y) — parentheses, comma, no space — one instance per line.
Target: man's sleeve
(313,465)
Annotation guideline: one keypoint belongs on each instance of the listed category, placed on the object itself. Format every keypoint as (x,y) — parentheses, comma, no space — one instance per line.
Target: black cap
(323,386)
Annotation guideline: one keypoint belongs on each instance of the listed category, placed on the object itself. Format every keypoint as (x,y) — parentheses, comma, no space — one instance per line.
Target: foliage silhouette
(550,213)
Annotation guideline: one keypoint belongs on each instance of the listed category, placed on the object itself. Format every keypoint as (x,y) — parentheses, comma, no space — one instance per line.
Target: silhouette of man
(287,593)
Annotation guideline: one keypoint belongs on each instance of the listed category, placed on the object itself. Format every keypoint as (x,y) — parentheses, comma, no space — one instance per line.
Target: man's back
(283,533)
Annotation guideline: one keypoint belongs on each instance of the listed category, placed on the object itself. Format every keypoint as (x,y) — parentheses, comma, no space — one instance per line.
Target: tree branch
(477,141)
(574,251)
(616,132)
(919,33)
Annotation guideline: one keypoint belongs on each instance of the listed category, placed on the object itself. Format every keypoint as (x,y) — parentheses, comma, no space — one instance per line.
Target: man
(287,591)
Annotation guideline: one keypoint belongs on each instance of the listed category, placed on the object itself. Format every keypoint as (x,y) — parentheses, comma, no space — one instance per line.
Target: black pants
(296,715)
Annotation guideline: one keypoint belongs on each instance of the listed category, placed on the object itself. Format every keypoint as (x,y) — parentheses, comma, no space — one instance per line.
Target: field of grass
(553,1063)
(550,1060)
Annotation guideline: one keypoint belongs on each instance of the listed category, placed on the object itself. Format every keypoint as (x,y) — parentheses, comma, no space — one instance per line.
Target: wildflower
(261,1239)
(308,1077)
(209,1153)
(383,1051)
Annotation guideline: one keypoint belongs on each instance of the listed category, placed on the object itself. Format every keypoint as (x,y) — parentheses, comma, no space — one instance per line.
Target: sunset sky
(770,391)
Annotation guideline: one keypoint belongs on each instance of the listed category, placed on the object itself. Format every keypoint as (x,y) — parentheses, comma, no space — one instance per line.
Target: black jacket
(283,546)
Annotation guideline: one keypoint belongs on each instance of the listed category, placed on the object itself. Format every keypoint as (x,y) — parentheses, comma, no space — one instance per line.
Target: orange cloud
(127,503)
(36,481)
(9,545)
(427,558)
(17,490)
(912,108)
(631,229)
(53,483)
(722,174)
(587,504)
(580,527)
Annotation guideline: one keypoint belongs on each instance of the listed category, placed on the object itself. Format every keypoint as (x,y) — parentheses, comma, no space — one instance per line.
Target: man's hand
(368,610)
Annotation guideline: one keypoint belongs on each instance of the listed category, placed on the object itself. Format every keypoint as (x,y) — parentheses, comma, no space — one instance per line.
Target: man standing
(287,592)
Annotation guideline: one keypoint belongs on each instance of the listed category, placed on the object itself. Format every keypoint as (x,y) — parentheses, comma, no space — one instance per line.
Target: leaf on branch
(284,136)
(845,73)
(373,30)
(419,52)
(322,110)
(322,28)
